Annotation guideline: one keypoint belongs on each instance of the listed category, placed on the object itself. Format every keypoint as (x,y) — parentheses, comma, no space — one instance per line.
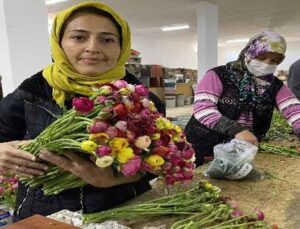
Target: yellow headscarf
(61,75)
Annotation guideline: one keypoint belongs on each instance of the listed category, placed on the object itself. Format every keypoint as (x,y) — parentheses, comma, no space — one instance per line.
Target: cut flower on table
(121,128)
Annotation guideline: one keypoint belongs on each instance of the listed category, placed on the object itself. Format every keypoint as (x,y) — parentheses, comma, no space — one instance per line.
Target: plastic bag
(233,161)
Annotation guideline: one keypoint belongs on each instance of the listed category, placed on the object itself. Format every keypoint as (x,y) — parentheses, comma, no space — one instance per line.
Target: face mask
(259,68)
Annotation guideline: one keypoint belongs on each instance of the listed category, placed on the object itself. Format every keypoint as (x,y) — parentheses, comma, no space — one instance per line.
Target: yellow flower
(155,160)
(124,91)
(175,139)
(100,138)
(178,129)
(163,123)
(152,106)
(88,146)
(125,154)
(155,136)
(104,161)
(119,143)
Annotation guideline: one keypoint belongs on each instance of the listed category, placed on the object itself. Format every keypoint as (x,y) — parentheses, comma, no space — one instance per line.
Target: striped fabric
(209,90)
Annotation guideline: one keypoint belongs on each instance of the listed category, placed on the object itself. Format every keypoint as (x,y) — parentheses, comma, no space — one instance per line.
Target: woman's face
(91,44)
(270,58)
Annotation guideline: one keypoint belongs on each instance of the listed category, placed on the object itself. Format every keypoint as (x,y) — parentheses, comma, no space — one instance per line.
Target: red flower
(161,151)
(120,110)
(83,105)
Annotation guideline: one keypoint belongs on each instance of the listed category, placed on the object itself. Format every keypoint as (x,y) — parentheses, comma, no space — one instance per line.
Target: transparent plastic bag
(233,161)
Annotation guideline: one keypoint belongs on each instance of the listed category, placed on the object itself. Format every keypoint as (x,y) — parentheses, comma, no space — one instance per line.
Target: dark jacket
(23,115)
(229,105)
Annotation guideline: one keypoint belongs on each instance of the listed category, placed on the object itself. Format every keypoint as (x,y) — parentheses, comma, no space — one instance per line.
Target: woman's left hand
(87,170)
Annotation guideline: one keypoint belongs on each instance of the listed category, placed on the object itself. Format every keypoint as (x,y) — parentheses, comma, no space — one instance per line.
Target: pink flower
(170,180)
(236,213)
(141,90)
(188,174)
(121,125)
(188,153)
(145,114)
(259,214)
(132,166)
(101,99)
(98,127)
(83,105)
(120,84)
(103,150)
(145,167)
(111,132)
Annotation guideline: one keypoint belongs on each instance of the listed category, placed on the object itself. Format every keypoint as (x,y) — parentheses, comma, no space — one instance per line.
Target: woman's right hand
(247,136)
(18,161)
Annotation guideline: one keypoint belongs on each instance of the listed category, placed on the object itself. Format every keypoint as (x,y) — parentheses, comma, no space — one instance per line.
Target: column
(24,41)
(207,31)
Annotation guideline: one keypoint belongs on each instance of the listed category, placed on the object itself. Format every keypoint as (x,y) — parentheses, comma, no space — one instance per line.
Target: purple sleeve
(207,94)
(289,107)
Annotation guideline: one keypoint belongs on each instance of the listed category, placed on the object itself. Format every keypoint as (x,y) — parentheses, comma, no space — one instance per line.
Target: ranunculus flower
(119,143)
(162,151)
(121,125)
(120,84)
(131,88)
(97,127)
(259,214)
(188,153)
(120,110)
(111,132)
(145,102)
(142,142)
(236,213)
(105,90)
(135,97)
(132,166)
(83,105)
(141,90)
(155,160)
(125,154)
(103,150)
(99,138)
(105,161)
(170,180)
(88,146)
(124,92)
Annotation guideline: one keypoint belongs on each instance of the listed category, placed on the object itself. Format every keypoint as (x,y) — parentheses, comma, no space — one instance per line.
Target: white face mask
(259,68)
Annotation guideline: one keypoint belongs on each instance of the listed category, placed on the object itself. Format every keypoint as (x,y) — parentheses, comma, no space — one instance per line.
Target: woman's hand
(18,161)
(87,170)
(247,136)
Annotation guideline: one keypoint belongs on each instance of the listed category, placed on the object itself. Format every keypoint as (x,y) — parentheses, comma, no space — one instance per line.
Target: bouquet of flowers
(8,189)
(121,127)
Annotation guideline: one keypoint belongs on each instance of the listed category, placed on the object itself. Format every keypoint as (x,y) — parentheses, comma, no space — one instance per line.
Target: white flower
(104,161)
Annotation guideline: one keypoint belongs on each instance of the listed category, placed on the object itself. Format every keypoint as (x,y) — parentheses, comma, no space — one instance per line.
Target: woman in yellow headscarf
(90,44)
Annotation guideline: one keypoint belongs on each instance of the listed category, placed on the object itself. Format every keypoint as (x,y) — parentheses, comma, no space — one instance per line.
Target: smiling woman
(90,44)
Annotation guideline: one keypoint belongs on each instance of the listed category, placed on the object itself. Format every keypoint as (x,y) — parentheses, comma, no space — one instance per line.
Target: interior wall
(172,53)
(229,53)
(180,53)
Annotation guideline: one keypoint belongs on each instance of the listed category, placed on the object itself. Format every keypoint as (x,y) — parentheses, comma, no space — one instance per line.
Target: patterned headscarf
(251,87)
(61,75)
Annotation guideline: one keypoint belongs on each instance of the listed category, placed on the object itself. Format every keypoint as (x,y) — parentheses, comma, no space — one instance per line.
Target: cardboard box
(184,88)
(159,92)
(40,222)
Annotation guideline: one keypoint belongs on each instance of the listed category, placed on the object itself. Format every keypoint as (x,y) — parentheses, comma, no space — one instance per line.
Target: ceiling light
(51,2)
(175,27)
(242,40)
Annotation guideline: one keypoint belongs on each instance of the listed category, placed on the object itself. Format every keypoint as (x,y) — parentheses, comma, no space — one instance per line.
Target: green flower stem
(235,219)
(242,225)
(279,150)
(176,204)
